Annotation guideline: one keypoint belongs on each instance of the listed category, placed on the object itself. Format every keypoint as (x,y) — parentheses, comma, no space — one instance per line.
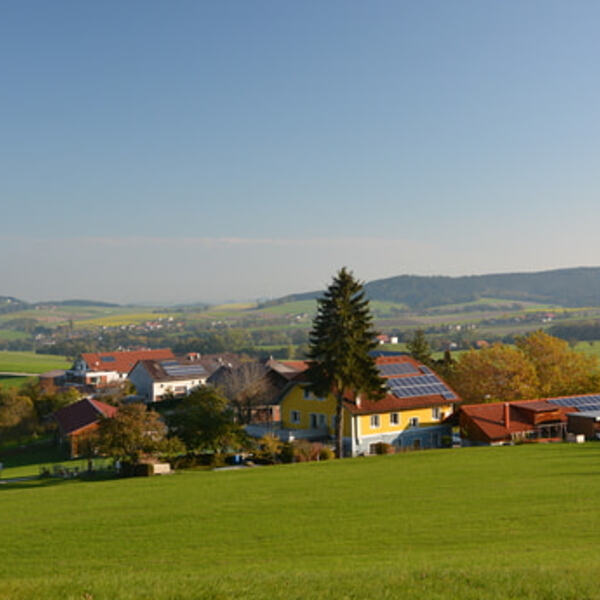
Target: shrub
(326,453)
(383,448)
(302,450)
(287,453)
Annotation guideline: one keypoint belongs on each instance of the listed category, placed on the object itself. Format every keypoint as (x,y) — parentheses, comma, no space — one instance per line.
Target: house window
(295,416)
(322,421)
(413,422)
(306,393)
(435,413)
(394,419)
(334,422)
(313,421)
(374,421)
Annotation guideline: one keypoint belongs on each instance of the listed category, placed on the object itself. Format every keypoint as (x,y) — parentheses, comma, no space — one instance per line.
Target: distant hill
(565,287)
(10,304)
(83,303)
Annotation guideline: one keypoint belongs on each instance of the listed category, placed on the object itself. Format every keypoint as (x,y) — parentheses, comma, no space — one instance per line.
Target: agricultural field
(11,334)
(30,362)
(119,319)
(474,523)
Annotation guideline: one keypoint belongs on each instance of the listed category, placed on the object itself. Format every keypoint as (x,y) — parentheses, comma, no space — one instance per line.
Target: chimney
(358,400)
(506,415)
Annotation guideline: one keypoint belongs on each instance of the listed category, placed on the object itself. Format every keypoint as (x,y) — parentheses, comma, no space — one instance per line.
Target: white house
(104,368)
(153,379)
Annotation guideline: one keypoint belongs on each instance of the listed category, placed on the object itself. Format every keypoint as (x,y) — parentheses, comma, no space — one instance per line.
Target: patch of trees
(539,366)
(28,410)
(587,331)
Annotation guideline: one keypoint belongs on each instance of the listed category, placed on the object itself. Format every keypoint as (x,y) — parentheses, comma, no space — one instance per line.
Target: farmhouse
(79,419)
(99,369)
(501,423)
(411,415)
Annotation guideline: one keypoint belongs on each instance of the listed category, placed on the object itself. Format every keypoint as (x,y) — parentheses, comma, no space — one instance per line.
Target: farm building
(541,420)
(79,419)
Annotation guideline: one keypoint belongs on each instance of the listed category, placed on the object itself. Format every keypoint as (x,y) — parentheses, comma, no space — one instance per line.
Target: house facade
(155,379)
(411,415)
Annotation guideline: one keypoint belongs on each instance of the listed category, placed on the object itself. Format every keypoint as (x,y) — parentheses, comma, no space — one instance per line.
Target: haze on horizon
(155,152)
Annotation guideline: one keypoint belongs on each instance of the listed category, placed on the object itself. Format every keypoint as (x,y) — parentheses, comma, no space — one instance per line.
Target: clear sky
(179,151)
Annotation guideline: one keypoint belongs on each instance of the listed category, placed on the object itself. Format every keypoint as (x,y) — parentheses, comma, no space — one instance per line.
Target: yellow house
(410,416)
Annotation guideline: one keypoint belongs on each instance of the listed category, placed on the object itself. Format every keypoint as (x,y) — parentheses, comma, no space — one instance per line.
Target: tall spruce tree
(419,348)
(340,341)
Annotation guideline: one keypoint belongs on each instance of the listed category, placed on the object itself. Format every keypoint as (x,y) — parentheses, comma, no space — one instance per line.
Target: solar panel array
(397,368)
(579,402)
(174,369)
(421,385)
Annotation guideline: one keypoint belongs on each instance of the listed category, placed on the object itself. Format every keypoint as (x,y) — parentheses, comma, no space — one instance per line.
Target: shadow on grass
(19,483)
(45,452)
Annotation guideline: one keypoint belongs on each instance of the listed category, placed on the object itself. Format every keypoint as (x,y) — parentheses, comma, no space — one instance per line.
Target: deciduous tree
(204,422)
(132,433)
(561,371)
(340,341)
(498,373)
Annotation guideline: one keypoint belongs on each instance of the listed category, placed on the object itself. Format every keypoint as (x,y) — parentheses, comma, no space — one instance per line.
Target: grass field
(13,382)
(481,523)
(30,362)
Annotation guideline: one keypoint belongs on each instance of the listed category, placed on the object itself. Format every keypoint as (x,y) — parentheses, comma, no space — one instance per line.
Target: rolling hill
(565,287)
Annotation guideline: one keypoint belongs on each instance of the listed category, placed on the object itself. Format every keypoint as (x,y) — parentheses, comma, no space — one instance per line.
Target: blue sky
(159,151)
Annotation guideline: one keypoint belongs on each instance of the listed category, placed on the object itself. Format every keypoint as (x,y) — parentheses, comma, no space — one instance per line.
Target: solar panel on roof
(397,368)
(177,370)
(584,402)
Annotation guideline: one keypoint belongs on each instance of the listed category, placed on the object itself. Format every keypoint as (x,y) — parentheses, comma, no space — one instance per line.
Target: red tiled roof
(81,414)
(489,418)
(391,402)
(123,362)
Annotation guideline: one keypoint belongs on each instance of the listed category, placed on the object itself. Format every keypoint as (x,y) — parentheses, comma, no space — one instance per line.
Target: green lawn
(30,362)
(481,523)
(14,382)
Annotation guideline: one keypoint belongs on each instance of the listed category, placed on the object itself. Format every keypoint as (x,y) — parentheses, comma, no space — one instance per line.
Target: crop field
(474,523)
(10,334)
(117,320)
(30,362)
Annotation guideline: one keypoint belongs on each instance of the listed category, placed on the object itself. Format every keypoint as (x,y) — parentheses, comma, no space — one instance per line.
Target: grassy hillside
(474,524)
(30,362)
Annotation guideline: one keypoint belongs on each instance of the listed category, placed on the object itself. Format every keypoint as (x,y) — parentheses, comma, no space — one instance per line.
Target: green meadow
(480,523)
(30,362)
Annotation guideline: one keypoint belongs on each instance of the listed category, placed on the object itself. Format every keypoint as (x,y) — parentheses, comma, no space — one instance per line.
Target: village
(272,398)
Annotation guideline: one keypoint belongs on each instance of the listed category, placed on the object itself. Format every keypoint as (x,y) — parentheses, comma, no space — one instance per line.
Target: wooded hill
(565,287)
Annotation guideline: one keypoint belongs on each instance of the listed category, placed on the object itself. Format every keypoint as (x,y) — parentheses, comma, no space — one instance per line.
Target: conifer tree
(419,348)
(340,341)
